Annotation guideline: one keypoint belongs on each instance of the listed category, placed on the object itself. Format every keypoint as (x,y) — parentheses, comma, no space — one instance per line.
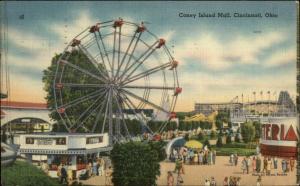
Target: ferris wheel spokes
(119,50)
(145,101)
(148,87)
(131,106)
(94,62)
(105,50)
(99,114)
(82,70)
(126,58)
(88,109)
(145,73)
(130,55)
(89,85)
(118,99)
(102,57)
(147,53)
(127,50)
(80,99)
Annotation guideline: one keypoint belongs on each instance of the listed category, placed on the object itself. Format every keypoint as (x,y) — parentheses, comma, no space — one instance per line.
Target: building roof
(23,105)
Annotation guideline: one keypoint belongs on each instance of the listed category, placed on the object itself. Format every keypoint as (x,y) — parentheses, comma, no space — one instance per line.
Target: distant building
(283,106)
(209,108)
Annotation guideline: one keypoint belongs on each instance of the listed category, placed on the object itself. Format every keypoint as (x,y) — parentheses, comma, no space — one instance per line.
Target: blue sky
(220,58)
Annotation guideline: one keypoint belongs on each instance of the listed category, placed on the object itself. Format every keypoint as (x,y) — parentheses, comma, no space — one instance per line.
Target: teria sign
(278,132)
(279,137)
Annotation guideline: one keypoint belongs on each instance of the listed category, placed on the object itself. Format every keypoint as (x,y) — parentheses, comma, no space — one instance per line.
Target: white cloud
(281,57)
(218,55)
(168,36)
(27,40)
(68,30)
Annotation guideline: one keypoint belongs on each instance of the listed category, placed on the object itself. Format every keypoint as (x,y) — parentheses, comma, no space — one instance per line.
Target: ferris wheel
(113,72)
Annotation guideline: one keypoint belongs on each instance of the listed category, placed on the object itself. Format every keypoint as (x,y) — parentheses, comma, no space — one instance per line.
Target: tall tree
(248,132)
(71,75)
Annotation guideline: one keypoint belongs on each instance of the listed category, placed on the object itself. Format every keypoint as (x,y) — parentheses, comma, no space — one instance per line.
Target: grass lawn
(242,149)
(225,151)
(24,174)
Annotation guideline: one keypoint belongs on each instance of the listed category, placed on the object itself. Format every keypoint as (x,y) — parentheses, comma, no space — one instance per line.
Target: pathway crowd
(258,165)
(265,165)
(194,157)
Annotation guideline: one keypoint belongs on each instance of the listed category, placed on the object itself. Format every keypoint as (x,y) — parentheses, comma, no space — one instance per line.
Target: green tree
(71,75)
(219,124)
(223,116)
(257,126)
(248,132)
(135,164)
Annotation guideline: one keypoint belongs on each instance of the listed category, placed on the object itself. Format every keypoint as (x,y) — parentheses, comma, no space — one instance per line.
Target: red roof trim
(18,104)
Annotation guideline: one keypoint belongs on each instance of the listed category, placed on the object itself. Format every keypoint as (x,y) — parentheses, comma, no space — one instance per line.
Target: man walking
(64,175)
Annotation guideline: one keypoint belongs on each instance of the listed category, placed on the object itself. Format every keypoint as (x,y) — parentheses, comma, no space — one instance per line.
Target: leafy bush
(135,164)
(159,148)
(213,135)
(219,142)
(228,139)
(25,174)
(240,151)
(186,137)
(248,132)
(200,136)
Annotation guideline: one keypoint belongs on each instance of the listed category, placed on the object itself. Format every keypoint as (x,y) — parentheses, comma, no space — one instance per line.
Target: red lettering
(275,131)
(268,137)
(291,135)
(282,132)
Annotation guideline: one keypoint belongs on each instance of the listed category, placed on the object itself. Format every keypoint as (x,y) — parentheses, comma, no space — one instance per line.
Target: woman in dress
(244,165)
(254,164)
(170,179)
(225,182)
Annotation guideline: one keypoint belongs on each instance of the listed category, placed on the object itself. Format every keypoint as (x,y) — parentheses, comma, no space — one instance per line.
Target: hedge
(25,174)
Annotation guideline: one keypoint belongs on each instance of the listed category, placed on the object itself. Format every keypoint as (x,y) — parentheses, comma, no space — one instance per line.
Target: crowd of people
(194,156)
(232,181)
(94,167)
(258,165)
(263,165)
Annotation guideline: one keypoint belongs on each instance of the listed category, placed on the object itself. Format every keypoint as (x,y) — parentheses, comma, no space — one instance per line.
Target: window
(29,140)
(60,141)
(93,140)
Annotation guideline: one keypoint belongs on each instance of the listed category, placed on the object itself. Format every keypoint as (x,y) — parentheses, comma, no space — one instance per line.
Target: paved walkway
(196,174)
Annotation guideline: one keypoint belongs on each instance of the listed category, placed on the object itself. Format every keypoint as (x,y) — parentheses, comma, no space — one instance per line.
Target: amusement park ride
(133,70)
(122,67)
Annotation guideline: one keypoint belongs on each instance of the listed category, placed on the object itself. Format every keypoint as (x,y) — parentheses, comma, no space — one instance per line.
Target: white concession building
(70,149)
